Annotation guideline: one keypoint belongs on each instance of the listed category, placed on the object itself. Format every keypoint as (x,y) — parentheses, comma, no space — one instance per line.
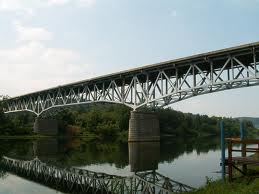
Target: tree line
(110,121)
(15,124)
(107,121)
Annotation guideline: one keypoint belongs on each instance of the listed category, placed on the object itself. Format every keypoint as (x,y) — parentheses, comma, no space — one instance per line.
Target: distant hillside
(254,120)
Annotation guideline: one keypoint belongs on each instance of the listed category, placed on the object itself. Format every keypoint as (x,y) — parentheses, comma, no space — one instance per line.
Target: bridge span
(155,85)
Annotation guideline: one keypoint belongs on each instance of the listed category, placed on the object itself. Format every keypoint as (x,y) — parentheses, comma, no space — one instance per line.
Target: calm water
(185,160)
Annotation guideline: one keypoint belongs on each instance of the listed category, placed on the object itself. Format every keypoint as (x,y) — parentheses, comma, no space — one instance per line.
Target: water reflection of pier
(75,180)
(144,156)
(46,148)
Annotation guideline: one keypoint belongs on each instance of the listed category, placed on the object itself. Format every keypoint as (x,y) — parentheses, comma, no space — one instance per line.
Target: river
(188,160)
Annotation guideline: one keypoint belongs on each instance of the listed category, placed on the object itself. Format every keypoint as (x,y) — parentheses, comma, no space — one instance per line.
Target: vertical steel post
(230,162)
(222,138)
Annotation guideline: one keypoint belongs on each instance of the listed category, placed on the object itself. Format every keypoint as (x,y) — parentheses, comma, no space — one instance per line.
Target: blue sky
(45,43)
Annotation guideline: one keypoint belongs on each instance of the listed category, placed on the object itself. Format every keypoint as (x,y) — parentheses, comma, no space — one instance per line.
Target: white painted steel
(155,85)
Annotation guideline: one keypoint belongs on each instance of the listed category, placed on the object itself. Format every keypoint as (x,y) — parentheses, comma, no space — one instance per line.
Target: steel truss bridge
(154,85)
(76,180)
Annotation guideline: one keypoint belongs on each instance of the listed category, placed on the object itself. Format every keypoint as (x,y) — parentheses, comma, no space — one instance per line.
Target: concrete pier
(143,126)
(45,126)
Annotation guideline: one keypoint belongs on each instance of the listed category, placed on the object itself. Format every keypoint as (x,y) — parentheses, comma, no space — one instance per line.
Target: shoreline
(41,136)
(93,135)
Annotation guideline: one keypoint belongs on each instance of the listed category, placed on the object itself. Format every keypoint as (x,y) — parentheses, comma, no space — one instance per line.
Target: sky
(45,43)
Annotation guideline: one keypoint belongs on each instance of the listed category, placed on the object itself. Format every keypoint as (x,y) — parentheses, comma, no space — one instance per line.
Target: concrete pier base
(143,126)
(45,126)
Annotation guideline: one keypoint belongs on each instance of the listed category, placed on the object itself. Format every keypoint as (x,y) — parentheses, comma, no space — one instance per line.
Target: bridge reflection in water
(143,159)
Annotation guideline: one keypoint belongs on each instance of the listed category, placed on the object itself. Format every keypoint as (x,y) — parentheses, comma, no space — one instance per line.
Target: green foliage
(254,120)
(110,122)
(106,121)
(187,124)
(15,124)
(236,187)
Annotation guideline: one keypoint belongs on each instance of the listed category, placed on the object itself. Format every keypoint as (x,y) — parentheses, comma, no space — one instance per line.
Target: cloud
(83,3)
(30,6)
(32,66)
(57,2)
(173,13)
(86,3)
(38,53)
(26,33)
(15,5)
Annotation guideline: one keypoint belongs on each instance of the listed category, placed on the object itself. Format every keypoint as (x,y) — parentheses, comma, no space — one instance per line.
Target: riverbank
(237,187)
(122,137)
(241,185)
(37,136)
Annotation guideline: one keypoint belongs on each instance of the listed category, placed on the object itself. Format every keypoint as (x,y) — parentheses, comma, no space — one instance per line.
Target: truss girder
(157,86)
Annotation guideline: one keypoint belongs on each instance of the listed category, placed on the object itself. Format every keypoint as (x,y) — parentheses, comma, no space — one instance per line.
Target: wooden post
(242,137)
(244,166)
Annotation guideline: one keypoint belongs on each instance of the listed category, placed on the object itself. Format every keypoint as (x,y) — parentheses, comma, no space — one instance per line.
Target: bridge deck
(155,85)
(204,57)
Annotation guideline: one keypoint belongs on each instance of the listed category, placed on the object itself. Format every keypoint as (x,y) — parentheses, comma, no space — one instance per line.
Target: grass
(237,187)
